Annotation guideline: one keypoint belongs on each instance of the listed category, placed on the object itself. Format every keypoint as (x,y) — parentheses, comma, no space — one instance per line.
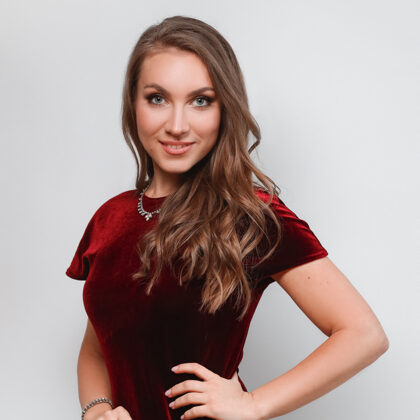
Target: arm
(93,380)
(356,338)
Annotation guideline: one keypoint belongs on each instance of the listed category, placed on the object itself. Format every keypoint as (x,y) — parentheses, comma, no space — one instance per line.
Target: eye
(153,96)
(157,99)
(206,99)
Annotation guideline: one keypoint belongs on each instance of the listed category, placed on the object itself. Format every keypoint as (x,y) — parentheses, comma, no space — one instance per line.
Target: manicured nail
(182,417)
(171,404)
(174,368)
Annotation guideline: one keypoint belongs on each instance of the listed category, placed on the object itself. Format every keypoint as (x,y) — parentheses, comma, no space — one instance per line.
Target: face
(177,112)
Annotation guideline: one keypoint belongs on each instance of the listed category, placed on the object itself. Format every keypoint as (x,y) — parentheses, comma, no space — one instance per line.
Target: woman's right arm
(93,379)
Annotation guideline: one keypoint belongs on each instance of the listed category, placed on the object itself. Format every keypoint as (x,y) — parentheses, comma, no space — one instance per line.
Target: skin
(355,336)
(175,115)
(355,340)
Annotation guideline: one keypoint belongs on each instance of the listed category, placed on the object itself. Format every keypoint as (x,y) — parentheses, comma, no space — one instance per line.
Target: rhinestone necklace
(148,215)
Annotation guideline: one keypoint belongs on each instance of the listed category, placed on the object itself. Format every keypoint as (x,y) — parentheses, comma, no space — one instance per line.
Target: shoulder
(116,204)
(265,196)
(276,203)
(122,198)
(289,218)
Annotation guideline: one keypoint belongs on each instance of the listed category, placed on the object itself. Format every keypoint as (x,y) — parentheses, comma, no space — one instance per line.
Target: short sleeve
(79,267)
(298,245)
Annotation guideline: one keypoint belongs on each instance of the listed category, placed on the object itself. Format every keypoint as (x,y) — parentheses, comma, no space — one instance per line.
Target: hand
(219,398)
(118,413)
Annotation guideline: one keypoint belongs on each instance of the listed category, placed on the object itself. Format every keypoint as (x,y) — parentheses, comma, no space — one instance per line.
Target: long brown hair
(214,220)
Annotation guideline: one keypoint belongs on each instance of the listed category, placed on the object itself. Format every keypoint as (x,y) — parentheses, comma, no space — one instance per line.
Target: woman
(175,268)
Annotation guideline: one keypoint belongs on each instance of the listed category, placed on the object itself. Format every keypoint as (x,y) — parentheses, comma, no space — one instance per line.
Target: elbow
(383,343)
(370,341)
(380,338)
(377,342)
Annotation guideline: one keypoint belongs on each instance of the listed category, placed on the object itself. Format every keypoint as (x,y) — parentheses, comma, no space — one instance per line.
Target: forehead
(173,66)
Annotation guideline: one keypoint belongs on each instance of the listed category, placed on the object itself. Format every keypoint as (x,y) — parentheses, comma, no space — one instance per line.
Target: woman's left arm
(356,338)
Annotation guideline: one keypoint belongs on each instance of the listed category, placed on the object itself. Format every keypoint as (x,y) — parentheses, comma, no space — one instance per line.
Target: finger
(186,386)
(195,368)
(189,399)
(197,411)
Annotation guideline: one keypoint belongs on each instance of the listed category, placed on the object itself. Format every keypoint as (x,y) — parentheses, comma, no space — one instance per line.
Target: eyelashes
(152,96)
(207,99)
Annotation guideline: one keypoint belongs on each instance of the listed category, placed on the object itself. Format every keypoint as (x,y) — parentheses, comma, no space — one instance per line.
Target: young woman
(175,268)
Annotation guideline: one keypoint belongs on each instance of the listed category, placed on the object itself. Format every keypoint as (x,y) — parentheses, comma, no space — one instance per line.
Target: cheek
(147,121)
(208,126)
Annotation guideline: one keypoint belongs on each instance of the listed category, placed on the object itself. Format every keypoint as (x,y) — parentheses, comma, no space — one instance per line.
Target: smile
(176,149)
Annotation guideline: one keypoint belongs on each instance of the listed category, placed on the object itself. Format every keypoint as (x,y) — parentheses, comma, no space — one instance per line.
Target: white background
(334,87)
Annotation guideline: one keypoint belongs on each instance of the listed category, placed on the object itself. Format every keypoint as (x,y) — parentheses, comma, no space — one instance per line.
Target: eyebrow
(194,92)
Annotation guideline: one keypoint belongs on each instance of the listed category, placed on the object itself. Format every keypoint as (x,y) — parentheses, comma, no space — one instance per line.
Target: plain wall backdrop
(334,87)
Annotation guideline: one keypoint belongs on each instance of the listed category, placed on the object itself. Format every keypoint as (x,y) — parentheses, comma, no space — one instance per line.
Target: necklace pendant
(140,208)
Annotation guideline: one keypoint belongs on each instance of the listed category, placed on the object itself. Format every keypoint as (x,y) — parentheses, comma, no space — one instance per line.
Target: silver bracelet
(95,401)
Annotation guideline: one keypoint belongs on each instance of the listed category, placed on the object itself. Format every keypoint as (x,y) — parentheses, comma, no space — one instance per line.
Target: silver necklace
(148,215)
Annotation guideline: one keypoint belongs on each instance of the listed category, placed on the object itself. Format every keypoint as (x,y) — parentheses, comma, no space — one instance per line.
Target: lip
(175,143)
(177,151)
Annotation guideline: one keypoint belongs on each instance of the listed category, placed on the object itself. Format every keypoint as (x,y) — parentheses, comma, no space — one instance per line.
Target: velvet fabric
(142,336)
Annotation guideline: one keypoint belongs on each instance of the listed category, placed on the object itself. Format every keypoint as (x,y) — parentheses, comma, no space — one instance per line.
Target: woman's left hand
(219,398)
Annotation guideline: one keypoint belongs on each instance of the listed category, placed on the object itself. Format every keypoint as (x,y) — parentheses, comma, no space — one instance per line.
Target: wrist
(259,410)
(95,411)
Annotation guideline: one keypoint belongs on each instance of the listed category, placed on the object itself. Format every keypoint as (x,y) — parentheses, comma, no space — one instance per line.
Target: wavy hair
(212,227)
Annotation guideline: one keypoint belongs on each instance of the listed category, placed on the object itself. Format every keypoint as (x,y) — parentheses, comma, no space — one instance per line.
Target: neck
(162,187)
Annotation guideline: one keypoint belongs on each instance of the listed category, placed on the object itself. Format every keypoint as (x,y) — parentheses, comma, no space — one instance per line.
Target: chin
(176,169)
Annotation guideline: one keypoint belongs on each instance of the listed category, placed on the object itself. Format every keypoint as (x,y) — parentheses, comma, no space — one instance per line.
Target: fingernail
(168,392)
(174,368)
(182,417)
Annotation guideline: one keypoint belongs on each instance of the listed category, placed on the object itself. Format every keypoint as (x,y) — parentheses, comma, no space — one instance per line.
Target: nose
(177,123)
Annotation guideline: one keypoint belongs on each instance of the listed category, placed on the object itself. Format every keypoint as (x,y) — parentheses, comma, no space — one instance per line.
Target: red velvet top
(142,336)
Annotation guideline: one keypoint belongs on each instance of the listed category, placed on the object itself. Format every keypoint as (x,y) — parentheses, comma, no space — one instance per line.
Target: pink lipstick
(176,148)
